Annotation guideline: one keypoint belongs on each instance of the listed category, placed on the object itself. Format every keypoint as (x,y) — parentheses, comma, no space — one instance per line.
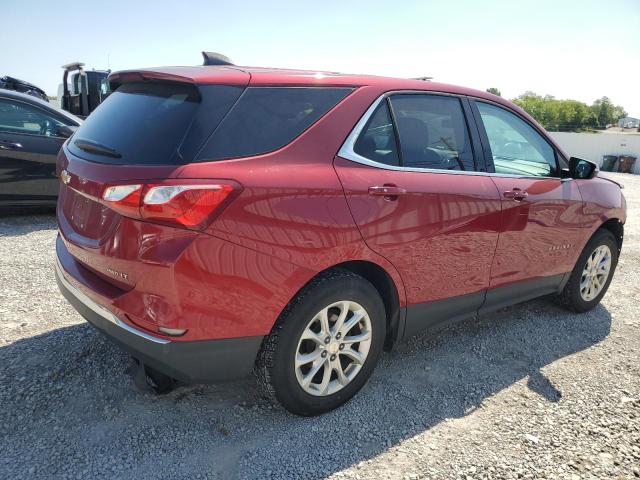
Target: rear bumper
(188,361)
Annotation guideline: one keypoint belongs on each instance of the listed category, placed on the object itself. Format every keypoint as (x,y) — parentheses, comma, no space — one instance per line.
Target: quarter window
(18,117)
(378,141)
(516,147)
(433,132)
(267,118)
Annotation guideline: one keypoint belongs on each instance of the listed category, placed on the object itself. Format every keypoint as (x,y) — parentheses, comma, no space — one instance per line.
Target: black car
(31,134)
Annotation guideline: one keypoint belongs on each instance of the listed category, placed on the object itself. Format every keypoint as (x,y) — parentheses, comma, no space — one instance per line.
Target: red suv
(216,220)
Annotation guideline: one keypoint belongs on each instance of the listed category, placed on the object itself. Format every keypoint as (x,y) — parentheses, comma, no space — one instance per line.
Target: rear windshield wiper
(97,148)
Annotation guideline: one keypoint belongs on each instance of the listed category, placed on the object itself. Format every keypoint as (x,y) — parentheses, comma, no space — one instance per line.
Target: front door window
(516,147)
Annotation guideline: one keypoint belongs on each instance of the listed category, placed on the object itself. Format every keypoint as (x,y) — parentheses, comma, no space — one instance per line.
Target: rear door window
(267,118)
(433,132)
(146,123)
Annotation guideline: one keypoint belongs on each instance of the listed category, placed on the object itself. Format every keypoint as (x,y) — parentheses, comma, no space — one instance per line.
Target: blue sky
(570,49)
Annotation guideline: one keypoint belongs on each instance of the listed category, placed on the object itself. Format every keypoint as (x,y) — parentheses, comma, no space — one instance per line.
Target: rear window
(153,123)
(267,118)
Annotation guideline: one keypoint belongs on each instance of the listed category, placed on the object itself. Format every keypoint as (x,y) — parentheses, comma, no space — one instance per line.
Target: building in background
(600,147)
(629,122)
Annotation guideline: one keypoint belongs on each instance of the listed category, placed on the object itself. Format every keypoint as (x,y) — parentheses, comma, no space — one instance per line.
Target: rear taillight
(124,199)
(187,205)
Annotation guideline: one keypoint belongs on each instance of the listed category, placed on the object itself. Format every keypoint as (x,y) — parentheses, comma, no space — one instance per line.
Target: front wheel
(592,274)
(325,344)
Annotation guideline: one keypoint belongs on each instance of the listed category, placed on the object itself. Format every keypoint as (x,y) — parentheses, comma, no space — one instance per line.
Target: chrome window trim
(347,149)
(102,311)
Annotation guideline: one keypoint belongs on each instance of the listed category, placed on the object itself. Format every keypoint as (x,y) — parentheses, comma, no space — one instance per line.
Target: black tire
(570,296)
(275,363)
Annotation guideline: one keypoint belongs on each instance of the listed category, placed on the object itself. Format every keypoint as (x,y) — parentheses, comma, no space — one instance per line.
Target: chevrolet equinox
(216,220)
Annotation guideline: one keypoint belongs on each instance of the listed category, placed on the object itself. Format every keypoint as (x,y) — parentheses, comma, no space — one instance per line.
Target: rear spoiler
(127,76)
(165,74)
(223,74)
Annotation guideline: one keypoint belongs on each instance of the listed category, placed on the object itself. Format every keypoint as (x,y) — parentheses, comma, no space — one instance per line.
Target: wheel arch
(616,227)
(382,281)
(386,287)
(570,290)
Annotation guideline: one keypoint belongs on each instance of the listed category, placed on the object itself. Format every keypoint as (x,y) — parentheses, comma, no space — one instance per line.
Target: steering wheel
(47,128)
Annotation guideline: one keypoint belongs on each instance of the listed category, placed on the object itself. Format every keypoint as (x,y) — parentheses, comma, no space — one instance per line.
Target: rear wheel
(325,344)
(592,274)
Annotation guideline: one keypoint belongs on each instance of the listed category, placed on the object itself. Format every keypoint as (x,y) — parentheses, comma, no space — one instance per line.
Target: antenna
(213,58)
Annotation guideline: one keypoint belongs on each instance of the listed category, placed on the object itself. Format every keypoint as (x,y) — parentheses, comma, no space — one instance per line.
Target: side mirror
(582,169)
(65,131)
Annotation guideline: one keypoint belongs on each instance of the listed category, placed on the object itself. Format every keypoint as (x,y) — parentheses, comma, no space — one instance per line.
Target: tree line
(568,115)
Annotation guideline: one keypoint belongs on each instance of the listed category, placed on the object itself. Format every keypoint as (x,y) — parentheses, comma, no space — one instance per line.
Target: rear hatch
(141,135)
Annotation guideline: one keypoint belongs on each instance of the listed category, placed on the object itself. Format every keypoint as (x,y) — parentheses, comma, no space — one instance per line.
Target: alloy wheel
(595,273)
(333,348)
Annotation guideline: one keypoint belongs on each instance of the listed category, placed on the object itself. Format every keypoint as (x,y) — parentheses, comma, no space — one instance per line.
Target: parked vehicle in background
(216,220)
(10,83)
(81,91)
(31,134)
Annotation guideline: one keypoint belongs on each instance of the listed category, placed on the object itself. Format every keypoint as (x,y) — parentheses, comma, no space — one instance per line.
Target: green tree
(530,103)
(603,110)
(606,112)
(569,115)
(618,113)
(534,105)
(591,120)
(495,91)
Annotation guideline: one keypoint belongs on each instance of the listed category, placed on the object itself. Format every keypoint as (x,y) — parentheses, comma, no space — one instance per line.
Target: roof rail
(213,58)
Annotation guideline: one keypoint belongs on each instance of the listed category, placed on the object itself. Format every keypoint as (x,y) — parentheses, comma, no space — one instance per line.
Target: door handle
(6,145)
(389,192)
(515,194)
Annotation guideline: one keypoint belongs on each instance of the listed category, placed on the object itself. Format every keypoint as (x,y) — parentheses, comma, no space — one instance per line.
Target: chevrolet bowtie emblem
(65,177)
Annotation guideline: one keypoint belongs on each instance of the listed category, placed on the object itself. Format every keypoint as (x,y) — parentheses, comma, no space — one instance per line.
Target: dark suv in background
(216,220)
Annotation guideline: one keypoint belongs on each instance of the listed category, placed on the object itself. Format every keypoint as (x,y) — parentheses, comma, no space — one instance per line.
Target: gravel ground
(528,392)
